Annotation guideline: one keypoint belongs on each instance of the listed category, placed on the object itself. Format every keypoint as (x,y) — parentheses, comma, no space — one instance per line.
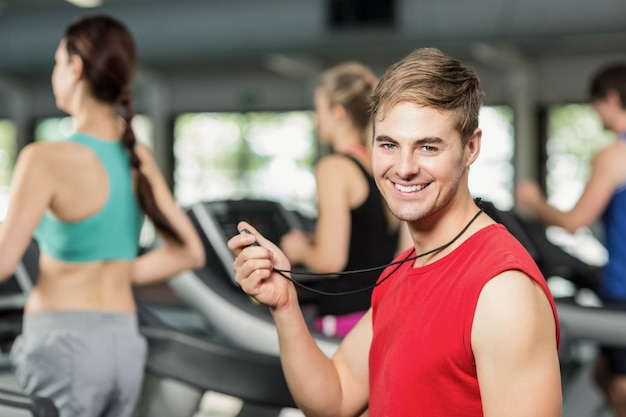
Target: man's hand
(254,268)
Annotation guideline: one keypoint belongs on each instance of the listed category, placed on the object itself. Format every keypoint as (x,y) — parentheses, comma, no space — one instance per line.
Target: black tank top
(371,244)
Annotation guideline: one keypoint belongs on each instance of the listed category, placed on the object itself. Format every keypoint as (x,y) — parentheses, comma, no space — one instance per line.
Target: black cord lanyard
(284,272)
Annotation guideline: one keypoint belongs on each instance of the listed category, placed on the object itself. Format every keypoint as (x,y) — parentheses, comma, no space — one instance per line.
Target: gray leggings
(89,363)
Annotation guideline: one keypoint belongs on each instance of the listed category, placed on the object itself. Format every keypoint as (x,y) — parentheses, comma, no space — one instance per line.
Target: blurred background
(224,89)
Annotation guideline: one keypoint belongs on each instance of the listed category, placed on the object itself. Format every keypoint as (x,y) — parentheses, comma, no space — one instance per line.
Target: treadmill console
(218,221)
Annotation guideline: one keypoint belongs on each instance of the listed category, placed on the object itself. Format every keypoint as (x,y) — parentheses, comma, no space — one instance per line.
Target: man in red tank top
(463,324)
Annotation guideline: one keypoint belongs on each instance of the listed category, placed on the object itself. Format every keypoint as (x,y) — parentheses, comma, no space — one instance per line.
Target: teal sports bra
(112,232)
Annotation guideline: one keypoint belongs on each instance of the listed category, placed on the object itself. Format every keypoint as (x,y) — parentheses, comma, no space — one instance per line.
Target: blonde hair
(427,77)
(350,85)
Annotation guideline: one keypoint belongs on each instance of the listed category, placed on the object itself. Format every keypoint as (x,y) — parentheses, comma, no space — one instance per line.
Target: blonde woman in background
(354,229)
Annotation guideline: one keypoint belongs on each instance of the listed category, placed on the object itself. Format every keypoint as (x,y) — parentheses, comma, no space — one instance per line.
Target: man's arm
(320,386)
(514,345)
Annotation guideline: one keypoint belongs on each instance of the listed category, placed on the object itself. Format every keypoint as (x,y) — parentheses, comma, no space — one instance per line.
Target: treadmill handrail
(251,376)
(38,406)
(604,325)
(211,229)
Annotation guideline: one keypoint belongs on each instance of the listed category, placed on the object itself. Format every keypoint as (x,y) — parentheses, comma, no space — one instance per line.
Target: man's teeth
(410,189)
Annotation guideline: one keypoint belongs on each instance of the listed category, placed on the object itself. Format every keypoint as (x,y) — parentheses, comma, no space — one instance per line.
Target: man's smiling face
(418,159)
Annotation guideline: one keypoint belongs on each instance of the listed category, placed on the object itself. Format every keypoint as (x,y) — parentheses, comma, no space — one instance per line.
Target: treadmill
(212,290)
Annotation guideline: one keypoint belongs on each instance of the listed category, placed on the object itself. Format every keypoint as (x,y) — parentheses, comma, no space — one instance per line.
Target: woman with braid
(84,200)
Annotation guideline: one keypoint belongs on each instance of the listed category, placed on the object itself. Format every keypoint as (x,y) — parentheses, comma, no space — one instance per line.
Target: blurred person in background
(84,199)
(603,198)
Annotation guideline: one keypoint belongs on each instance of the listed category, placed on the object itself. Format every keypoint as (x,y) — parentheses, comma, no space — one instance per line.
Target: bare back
(79,187)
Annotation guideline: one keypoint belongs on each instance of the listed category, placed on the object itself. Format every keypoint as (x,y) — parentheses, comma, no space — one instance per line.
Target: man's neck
(445,230)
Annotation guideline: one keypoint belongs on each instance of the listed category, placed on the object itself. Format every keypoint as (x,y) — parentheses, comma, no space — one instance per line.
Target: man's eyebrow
(428,140)
(418,142)
(384,138)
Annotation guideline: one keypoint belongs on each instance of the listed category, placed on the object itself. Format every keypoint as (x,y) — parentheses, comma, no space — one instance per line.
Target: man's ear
(472,147)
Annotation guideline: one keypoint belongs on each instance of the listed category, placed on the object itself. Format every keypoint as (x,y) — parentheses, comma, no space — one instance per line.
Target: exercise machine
(212,291)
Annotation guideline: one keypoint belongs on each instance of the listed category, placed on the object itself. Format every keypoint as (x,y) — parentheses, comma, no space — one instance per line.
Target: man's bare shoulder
(512,287)
(513,304)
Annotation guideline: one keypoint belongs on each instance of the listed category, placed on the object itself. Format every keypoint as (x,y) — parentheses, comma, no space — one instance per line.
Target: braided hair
(109,57)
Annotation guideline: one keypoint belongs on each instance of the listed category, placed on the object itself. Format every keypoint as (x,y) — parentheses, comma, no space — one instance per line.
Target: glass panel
(575,134)
(59,128)
(144,130)
(254,155)
(8,146)
(272,156)
(491,176)
(53,129)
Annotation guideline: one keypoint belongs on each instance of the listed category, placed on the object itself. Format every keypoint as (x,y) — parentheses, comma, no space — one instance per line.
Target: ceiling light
(85,3)
(292,66)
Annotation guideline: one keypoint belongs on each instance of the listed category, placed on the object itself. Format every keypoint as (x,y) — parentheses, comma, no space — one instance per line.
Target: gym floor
(214,404)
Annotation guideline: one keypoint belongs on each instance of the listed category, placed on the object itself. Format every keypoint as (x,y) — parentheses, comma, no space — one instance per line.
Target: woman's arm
(173,257)
(329,250)
(31,193)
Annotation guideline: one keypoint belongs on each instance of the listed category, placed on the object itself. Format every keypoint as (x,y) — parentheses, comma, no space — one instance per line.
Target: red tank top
(421,362)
